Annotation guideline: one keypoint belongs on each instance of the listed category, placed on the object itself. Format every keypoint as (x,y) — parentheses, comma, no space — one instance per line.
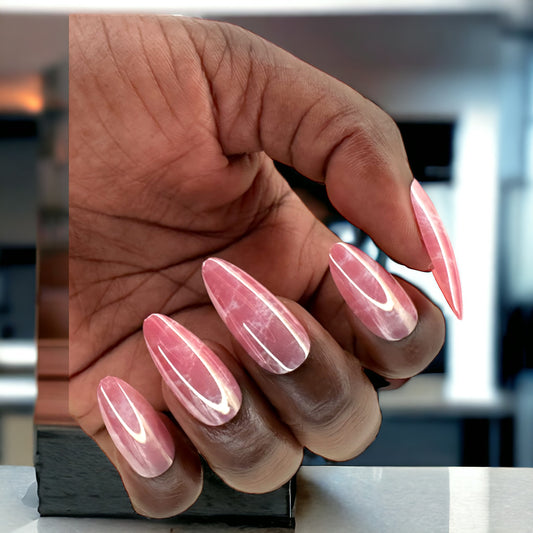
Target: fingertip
(368,181)
(159,468)
(171,493)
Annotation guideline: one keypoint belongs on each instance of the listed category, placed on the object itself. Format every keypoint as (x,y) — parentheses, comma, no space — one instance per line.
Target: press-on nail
(198,378)
(373,295)
(264,327)
(135,428)
(439,248)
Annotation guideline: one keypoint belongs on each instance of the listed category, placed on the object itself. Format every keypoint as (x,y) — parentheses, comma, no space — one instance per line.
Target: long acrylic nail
(373,295)
(135,428)
(263,326)
(439,248)
(198,378)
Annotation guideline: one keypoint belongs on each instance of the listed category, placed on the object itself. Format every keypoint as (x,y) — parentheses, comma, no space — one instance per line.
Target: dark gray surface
(76,479)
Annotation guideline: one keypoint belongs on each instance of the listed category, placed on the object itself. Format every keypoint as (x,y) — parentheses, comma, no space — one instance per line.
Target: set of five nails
(270,334)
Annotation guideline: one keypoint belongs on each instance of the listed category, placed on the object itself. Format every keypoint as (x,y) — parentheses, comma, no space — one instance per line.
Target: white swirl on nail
(277,310)
(139,436)
(388,304)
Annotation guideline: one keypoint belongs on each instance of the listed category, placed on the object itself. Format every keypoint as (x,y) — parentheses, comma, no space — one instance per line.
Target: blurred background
(33,215)
(457,76)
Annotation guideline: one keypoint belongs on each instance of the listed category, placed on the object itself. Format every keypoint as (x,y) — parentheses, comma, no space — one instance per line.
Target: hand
(174,124)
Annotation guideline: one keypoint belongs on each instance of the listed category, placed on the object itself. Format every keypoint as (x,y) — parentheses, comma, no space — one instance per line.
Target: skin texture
(174,123)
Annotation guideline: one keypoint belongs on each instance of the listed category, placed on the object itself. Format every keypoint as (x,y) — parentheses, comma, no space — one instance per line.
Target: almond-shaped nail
(198,378)
(373,295)
(263,326)
(439,248)
(135,428)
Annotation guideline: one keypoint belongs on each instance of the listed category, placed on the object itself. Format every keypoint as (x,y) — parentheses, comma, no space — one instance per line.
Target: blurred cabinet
(52,322)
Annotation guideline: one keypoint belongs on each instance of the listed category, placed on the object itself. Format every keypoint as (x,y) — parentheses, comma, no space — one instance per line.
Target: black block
(75,478)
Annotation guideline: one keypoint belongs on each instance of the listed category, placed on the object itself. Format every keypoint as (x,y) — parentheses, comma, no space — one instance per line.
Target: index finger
(324,129)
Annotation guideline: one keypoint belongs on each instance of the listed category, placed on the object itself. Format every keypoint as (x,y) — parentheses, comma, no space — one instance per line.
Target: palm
(171,121)
(146,211)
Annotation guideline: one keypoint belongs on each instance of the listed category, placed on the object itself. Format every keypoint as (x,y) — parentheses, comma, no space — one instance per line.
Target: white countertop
(334,499)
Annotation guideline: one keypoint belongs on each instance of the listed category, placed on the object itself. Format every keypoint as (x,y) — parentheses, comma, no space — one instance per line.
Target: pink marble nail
(135,428)
(373,295)
(198,378)
(263,326)
(439,248)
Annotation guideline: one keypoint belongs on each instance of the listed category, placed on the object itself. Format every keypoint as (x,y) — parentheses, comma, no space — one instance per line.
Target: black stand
(76,479)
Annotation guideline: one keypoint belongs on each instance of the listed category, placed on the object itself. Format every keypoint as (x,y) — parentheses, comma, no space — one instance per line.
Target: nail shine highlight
(372,294)
(439,248)
(198,378)
(263,326)
(135,428)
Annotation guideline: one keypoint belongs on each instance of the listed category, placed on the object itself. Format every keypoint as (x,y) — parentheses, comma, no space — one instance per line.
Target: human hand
(174,124)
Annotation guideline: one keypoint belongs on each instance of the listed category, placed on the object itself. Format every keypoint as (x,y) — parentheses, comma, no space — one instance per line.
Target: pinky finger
(159,467)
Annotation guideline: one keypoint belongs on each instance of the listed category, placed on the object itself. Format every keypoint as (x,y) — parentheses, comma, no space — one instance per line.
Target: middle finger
(319,390)
(221,410)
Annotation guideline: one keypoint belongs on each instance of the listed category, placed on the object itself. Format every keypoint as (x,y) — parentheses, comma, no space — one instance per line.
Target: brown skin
(173,126)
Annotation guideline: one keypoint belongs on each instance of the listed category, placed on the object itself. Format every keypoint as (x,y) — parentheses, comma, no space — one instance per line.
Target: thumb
(268,100)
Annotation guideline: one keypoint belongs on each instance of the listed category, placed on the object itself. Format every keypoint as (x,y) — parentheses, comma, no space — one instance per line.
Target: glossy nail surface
(263,326)
(439,248)
(373,295)
(198,378)
(135,428)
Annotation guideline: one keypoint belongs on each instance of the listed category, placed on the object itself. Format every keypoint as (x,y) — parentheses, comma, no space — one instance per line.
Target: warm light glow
(21,94)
